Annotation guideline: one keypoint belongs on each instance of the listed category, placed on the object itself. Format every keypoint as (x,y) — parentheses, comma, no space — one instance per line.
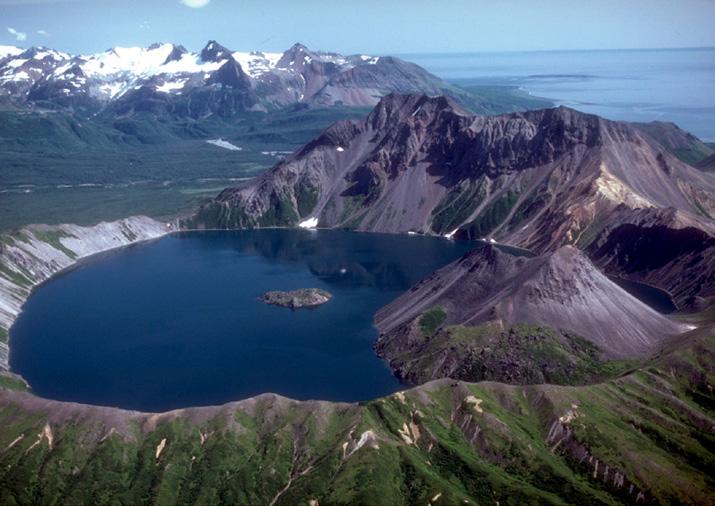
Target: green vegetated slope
(519,354)
(59,168)
(682,144)
(644,437)
(501,99)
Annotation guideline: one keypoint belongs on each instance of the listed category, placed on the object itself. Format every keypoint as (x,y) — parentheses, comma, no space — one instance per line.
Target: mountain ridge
(451,323)
(535,179)
(165,76)
(456,441)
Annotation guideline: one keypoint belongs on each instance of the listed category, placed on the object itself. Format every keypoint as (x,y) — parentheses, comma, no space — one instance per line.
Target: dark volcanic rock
(517,319)
(660,247)
(538,179)
(707,164)
(213,51)
(295,299)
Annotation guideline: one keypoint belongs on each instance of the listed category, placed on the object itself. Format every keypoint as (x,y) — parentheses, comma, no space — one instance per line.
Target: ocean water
(634,85)
(178,322)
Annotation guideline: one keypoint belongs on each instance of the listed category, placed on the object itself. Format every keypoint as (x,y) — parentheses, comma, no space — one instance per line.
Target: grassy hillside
(680,143)
(59,168)
(644,437)
(520,354)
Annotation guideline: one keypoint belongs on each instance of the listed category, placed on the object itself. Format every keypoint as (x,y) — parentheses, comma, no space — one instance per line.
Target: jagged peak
(42,52)
(231,74)
(176,53)
(493,258)
(566,115)
(298,46)
(569,261)
(296,53)
(213,51)
(396,107)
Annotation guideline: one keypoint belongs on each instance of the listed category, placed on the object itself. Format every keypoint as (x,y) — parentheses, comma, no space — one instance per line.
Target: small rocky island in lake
(304,297)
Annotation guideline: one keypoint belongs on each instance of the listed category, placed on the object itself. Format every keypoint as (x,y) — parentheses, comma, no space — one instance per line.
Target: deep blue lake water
(633,85)
(177,322)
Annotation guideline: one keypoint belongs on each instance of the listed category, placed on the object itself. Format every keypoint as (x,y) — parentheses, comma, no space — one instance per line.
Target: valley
(85,171)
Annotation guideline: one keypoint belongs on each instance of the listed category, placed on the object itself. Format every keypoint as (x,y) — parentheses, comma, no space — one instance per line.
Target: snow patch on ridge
(257,63)
(6,51)
(224,144)
(370,60)
(170,86)
(451,234)
(309,223)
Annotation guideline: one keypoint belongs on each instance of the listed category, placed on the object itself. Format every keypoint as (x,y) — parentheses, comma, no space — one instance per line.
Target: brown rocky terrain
(490,300)
(538,180)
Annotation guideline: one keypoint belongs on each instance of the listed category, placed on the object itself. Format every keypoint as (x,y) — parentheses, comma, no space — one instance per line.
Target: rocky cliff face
(707,164)
(539,179)
(661,247)
(33,254)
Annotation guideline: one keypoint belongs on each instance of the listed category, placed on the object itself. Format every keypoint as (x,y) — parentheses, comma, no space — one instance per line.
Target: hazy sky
(366,26)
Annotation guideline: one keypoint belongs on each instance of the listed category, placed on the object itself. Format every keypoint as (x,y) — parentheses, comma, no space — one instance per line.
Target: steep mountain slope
(166,78)
(446,325)
(682,144)
(645,438)
(538,179)
(707,164)
(32,255)
(666,248)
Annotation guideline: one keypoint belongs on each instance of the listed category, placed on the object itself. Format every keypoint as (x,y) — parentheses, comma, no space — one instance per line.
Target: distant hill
(682,144)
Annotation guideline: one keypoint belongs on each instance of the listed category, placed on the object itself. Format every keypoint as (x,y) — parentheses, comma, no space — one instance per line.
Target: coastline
(36,253)
(34,260)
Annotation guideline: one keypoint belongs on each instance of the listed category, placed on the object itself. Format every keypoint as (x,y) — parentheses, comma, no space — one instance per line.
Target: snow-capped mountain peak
(154,76)
(131,60)
(6,51)
(257,63)
(214,52)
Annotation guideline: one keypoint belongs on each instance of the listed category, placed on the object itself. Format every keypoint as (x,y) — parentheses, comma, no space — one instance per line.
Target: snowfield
(224,144)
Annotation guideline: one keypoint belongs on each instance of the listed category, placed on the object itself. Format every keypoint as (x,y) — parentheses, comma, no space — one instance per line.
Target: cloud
(43,33)
(20,36)
(195,4)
